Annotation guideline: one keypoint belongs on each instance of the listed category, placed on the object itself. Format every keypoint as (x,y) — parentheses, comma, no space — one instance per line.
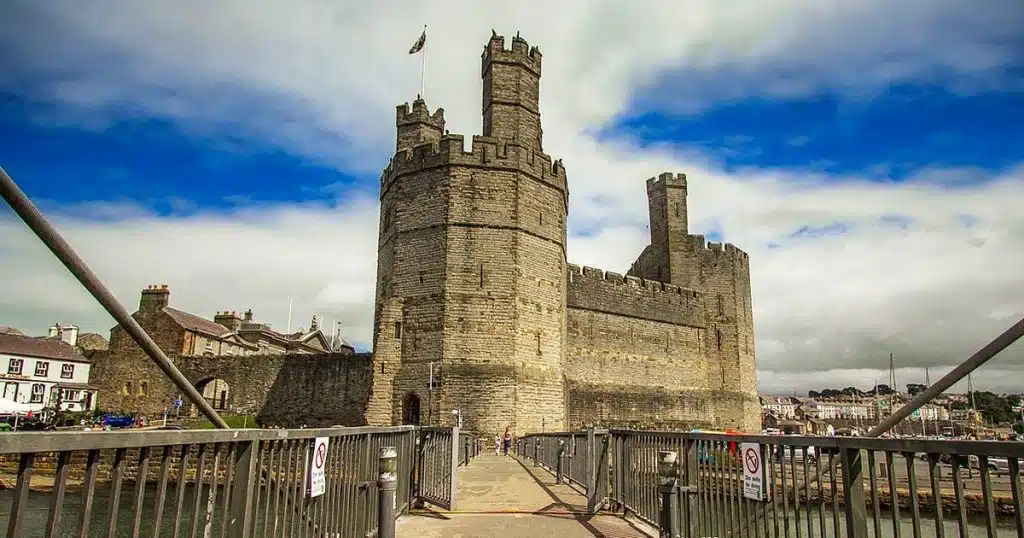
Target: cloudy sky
(868,154)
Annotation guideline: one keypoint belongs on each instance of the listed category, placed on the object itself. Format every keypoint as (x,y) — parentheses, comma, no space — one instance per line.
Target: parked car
(117,421)
(796,453)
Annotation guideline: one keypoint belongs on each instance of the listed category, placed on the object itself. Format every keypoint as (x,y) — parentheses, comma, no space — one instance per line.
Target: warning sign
(317,463)
(753,471)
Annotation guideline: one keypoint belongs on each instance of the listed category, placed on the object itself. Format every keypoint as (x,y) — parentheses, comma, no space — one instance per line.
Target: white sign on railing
(317,463)
(753,471)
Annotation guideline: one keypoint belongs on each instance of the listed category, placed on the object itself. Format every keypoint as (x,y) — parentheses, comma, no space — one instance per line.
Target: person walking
(497,444)
(507,445)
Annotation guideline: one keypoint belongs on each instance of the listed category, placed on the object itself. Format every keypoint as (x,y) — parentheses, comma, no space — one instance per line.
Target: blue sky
(867,155)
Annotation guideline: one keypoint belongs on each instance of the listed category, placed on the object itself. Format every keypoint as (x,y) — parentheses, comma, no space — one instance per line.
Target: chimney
(230,320)
(248,316)
(69,334)
(154,298)
(54,331)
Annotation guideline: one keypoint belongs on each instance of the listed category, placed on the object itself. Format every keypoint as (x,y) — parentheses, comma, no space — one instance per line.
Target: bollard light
(387,463)
(668,465)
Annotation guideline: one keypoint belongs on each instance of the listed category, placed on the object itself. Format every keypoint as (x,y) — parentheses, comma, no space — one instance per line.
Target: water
(38,510)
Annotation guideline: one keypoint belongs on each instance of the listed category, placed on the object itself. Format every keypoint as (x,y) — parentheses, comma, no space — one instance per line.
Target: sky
(868,155)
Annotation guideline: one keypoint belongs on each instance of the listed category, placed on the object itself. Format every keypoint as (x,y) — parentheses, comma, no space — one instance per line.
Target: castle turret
(417,125)
(471,262)
(511,99)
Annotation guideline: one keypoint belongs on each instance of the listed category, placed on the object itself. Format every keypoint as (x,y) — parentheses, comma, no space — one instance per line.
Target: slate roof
(195,323)
(43,348)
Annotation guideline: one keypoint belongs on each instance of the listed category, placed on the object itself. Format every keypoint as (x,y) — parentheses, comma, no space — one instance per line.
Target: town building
(46,372)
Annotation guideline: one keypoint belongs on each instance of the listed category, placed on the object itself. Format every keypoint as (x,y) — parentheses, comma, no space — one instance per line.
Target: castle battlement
(484,152)
(419,113)
(520,54)
(698,243)
(605,291)
(668,179)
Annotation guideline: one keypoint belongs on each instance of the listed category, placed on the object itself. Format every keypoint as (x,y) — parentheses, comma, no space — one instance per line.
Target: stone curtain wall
(321,390)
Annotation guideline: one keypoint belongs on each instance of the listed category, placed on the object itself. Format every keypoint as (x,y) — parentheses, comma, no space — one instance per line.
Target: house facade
(45,372)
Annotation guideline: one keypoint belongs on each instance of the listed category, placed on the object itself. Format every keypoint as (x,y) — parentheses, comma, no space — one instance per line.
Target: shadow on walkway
(502,496)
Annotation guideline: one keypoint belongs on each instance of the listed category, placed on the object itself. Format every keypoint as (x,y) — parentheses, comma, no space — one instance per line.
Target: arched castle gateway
(472,278)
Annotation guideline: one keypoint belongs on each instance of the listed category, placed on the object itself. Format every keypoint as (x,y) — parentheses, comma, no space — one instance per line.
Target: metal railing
(469,448)
(238,483)
(880,487)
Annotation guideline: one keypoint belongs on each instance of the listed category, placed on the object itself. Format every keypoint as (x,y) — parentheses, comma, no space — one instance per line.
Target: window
(14,367)
(38,390)
(144,389)
(42,368)
(209,346)
(718,339)
(67,371)
(398,329)
(721,305)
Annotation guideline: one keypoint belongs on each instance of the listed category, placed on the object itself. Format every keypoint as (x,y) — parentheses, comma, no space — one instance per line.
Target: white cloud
(321,79)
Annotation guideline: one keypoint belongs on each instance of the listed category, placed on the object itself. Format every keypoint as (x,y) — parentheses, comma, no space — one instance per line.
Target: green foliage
(234,421)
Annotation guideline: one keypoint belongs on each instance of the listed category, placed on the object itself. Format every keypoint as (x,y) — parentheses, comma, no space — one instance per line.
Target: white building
(783,407)
(40,372)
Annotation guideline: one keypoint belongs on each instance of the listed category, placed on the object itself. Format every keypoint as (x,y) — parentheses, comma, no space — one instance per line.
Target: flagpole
(423,63)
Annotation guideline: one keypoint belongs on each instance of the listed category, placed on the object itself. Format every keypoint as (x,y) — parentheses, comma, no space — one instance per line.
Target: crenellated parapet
(419,113)
(604,291)
(521,54)
(484,152)
(667,179)
(717,252)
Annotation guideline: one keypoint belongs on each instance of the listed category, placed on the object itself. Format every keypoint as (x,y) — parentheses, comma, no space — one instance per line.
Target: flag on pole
(418,45)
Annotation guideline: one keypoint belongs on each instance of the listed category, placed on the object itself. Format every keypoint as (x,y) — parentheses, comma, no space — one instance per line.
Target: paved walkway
(505,497)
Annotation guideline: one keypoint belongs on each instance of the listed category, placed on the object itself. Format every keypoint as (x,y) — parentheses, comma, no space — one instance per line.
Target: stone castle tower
(473,289)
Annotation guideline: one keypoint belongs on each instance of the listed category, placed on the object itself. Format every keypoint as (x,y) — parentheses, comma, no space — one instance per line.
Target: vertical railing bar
(116,477)
(773,479)
(139,495)
(821,495)
(26,465)
(179,493)
(796,489)
(88,493)
(60,484)
(1015,493)
(986,495)
(807,490)
(229,484)
(876,518)
(834,491)
(915,509)
(894,498)
(289,477)
(161,490)
(935,477)
(790,452)
(961,506)
(197,498)
(211,496)
(270,493)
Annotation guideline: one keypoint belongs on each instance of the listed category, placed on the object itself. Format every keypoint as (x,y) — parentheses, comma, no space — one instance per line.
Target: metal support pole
(387,491)
(668,489)
(558,461)
(853,493)
(46,233)
(536,452)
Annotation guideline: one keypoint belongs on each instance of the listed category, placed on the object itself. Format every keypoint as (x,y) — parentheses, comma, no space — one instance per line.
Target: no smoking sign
(753,475)
(318,460)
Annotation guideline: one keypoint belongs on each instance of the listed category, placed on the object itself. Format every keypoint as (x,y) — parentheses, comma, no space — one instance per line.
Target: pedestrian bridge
(422,482)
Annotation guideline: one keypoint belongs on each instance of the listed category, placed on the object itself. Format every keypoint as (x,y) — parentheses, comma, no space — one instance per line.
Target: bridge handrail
(708,497)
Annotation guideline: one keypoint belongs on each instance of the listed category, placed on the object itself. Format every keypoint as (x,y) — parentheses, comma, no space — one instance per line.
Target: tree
(914,389)
(813,394)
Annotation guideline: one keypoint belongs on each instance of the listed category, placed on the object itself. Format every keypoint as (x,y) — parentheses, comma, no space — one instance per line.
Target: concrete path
(508,498)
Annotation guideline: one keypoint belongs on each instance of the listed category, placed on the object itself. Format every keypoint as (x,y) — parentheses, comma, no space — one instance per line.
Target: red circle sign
(321,456)
(752,461)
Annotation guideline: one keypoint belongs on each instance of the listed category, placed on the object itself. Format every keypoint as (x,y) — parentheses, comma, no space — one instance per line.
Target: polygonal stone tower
(471,261)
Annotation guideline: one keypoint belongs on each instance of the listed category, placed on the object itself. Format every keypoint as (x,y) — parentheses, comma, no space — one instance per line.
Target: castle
(477,310)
